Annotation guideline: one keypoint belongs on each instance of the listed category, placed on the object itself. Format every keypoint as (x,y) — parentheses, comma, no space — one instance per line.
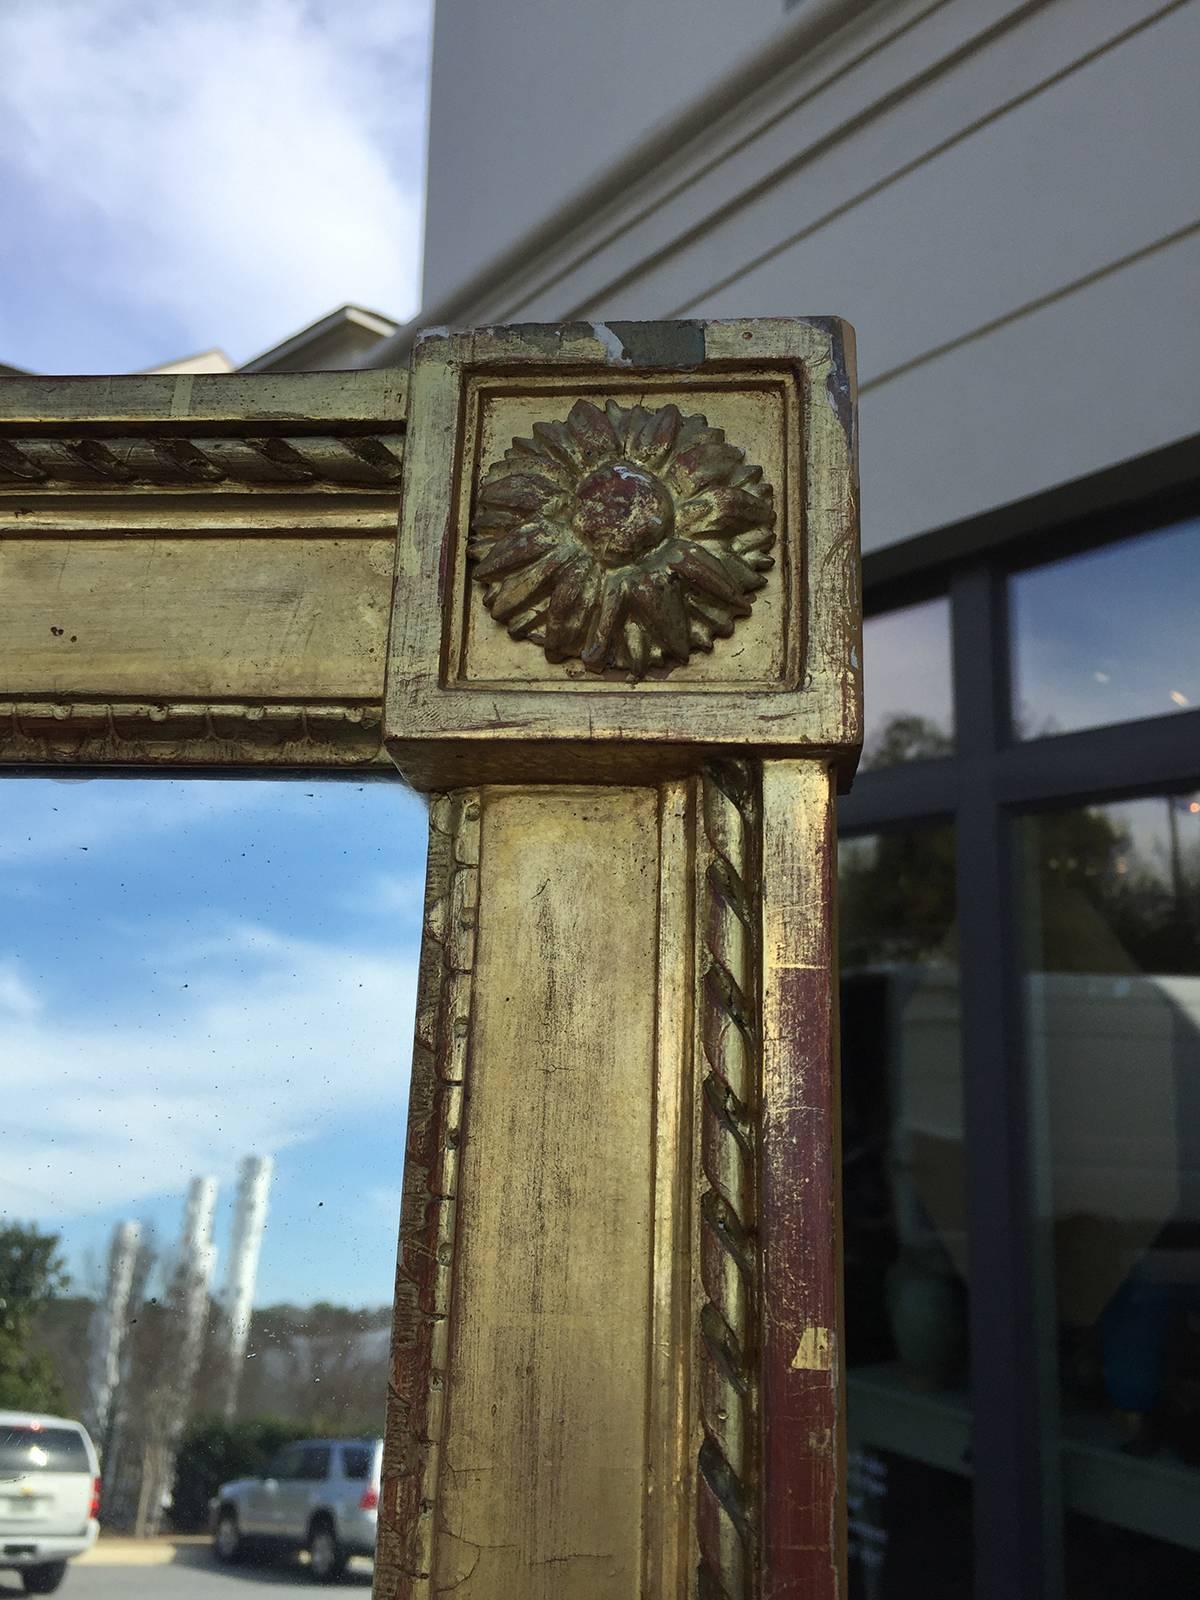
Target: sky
(190,972)
(176,175)
(193,971)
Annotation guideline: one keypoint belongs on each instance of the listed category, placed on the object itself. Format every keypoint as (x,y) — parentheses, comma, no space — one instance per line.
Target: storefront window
(1109,636)
(905,1218)
(908,685)
(1112,896)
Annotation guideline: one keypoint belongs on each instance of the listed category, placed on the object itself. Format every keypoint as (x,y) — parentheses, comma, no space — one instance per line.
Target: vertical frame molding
(627,616)
(803,1452)
(425,1259)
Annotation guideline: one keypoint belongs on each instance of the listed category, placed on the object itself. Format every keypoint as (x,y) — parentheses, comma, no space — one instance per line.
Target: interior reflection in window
(206,994)
(908,685)
(1113,904)
(905,1217)
(1109,636)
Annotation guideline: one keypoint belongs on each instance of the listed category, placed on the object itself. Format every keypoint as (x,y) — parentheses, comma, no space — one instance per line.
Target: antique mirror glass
(206,993)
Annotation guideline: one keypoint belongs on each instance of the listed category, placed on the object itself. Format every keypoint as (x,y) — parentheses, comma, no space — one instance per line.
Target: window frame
(982,788)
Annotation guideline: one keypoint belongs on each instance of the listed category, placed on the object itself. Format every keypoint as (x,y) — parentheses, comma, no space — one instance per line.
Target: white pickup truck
(49,1497)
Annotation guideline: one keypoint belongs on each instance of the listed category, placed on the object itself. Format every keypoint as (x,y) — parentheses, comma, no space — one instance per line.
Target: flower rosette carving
(625,537)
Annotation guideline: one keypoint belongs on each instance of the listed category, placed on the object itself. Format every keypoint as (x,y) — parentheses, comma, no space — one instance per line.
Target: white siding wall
(1004,199)
(533,99)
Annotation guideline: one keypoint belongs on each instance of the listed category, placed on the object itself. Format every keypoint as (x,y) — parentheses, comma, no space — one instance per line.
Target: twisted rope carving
(168,462)
(729,1005)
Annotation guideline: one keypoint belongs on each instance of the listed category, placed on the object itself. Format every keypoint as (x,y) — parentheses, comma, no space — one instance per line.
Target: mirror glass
(206,1007)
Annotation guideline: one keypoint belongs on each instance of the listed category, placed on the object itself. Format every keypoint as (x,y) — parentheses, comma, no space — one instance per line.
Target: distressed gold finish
(645,1236)
(196,571)
(800,1327)
(437,1097)
(616,1350)
(466,702)
(627,537)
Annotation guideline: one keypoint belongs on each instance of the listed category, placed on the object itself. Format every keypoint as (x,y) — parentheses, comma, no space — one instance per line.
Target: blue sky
(176,175)
(189,972)
(193,970)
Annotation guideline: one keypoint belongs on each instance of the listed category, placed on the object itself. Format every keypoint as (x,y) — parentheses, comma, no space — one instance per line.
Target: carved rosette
(728,1316)
(625,537)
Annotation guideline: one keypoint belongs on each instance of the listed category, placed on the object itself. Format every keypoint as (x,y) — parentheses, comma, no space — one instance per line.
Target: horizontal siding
(862,63)
(531,99)
(971,200)
(1094,167)
(1097,377)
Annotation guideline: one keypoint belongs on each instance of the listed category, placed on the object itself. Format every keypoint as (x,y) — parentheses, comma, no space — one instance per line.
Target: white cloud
(259,161)
(43,821)
(269,1049)
(17,998)
(388,894)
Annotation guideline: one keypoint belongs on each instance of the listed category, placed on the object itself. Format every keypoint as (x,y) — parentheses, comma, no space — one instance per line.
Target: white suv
(49,1497)
(319,1495)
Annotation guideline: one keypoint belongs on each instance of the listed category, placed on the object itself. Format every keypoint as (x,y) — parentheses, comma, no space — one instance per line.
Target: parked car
(49,1497)
(319,1495)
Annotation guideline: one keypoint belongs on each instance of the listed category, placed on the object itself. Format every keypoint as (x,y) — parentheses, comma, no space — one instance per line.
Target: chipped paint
(181,398)
(609,341)
(814,1353)
(674,345)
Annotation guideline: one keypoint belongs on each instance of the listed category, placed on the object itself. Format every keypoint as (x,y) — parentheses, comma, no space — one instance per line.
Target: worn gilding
(616,1366)
(195,571)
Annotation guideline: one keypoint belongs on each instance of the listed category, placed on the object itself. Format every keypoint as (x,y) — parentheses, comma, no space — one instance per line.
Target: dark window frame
(983,788)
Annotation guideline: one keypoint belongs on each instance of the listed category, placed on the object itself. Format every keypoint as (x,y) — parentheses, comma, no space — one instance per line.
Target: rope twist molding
(171,461)
(729,1004)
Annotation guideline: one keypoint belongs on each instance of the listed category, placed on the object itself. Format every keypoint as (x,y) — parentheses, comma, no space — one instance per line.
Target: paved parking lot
(186,1571)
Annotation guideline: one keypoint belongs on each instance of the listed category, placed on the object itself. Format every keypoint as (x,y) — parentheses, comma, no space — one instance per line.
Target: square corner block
(624,547)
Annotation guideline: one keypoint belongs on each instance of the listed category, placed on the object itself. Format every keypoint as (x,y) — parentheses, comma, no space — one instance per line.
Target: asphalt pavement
(188,1572)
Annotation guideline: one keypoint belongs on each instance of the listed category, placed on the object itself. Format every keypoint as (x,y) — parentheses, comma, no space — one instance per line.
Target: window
(314,1463)
(909,702)
(286,1465)
(356,1461)
(29,1449)
(1020,948)
(905,1214)
(1112,901)
(1108,636)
